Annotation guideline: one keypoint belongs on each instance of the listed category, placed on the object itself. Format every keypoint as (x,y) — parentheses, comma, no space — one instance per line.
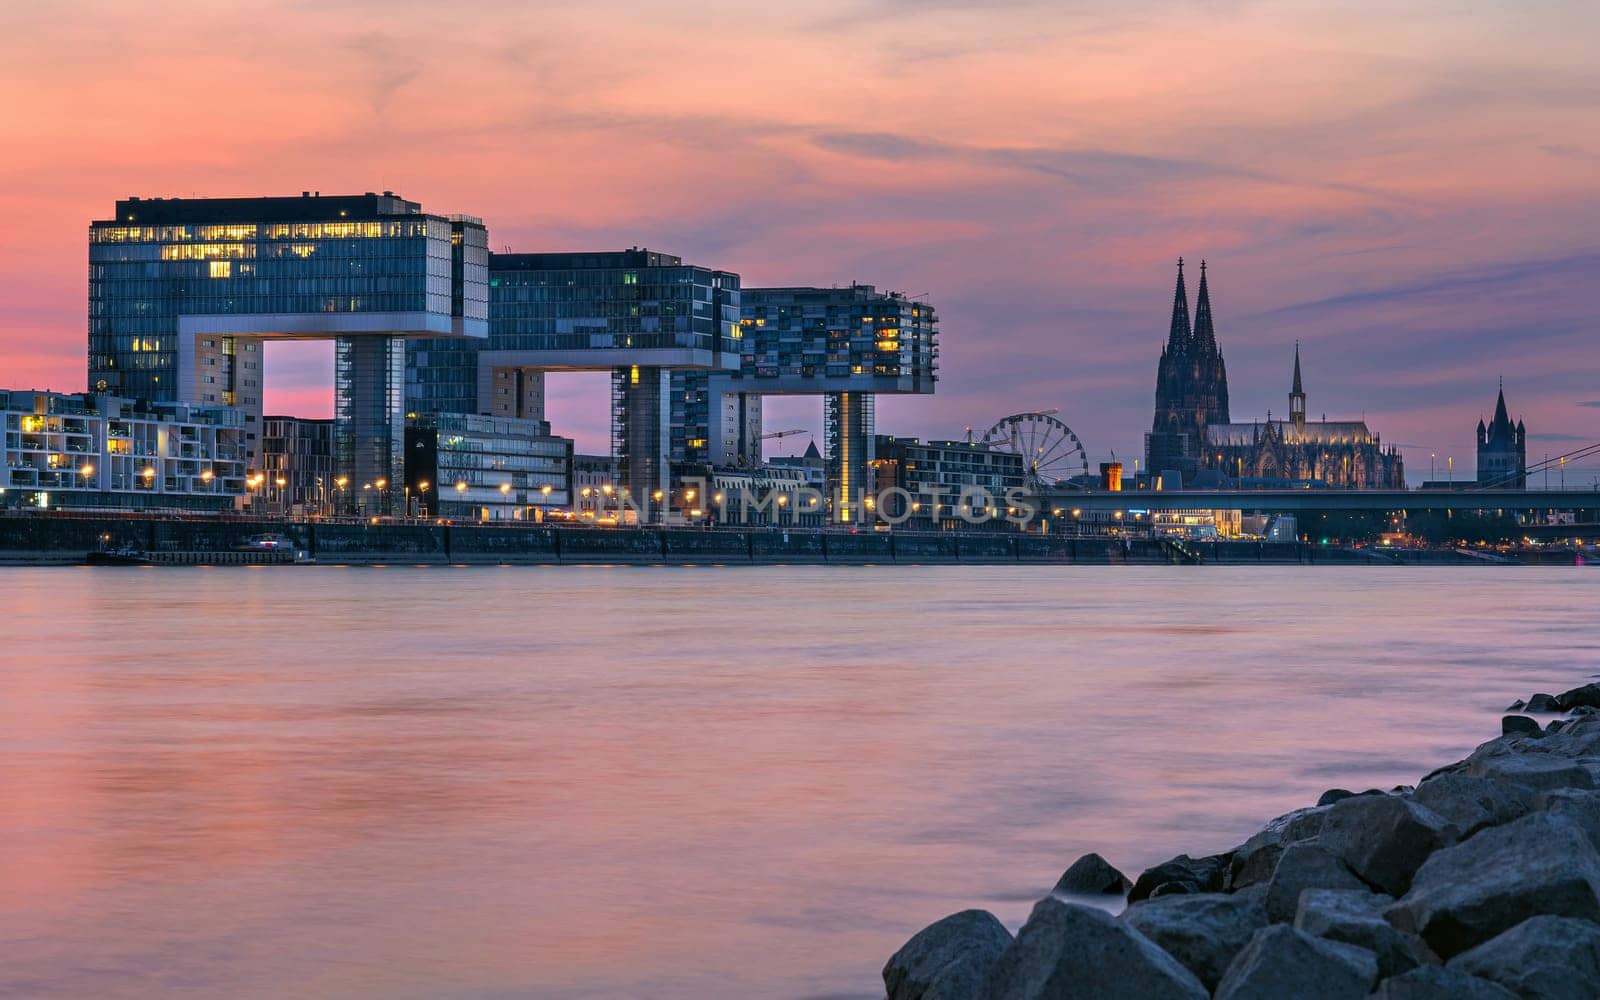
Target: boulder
(1539,771)
(1253,861)
(1092,875)
(1202,874)
(1587,696)
(1333,795)
(1303,866)
(1582,808)
(1554,957)
(1435,982)
(1517,706)
(1511,724)
(1464,895)
(1283,962)
(1542,703)
(1356,917)
(1070,950)
(1203,931)
(1470,804)
(1384,838)
(947,960)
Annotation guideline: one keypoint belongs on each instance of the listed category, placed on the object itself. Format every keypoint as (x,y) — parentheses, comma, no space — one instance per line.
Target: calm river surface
(688,782)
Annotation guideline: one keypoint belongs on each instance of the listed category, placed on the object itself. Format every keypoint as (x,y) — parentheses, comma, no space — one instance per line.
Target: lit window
(222,269)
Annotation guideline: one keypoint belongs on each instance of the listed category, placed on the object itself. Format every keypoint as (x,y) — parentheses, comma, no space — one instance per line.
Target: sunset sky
(1412,191)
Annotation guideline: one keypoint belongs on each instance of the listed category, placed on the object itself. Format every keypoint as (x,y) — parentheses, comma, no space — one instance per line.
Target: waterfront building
(1191,387)
(1336,453)
(846,344)
(594,484)
(764,495)
(811,463)
(297,463)
(638,314)
(1502,449)
(99,450)
(943,477)
(472,467)
(183,292)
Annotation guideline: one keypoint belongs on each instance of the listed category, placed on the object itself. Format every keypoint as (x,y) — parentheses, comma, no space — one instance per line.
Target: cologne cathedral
(1193,436)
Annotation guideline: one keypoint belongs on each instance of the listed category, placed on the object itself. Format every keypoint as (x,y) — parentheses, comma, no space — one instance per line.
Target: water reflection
(689,782)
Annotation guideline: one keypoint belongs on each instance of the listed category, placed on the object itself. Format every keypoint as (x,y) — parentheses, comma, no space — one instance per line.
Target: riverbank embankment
(1481,882)
(36,540)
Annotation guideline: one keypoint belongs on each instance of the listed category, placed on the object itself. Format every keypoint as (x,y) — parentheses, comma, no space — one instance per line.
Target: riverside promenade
(1481,882)
(45,539)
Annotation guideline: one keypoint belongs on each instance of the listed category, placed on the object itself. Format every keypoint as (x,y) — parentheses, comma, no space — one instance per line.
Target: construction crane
(784,434)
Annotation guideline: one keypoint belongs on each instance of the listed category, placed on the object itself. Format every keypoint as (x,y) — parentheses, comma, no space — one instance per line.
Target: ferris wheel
(1050,451)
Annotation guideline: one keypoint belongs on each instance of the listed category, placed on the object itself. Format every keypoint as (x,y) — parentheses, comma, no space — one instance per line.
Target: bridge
(1303,500)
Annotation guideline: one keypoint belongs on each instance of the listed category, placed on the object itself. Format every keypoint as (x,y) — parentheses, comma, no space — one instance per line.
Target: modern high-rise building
(1191,387)
(182,293)
(846,344)
(1502,450)
(638,314)
(951,483)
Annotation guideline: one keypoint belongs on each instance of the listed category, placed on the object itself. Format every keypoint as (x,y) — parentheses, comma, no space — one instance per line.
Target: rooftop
(310,206)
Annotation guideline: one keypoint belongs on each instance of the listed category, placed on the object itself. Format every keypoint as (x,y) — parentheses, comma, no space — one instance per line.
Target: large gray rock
(1586,696)
(1282,962)
(1092,875)
(1511,724)
(1466,894)
(1545,957)
(1470,804)
(1204,931)
(1581,807)
(1355,917)
(1205,874)
(1068,950)
(1384,838)
(947,960)
(1435,982)
(1543,703)
(1303,866)
(1253,861)
(1539,771)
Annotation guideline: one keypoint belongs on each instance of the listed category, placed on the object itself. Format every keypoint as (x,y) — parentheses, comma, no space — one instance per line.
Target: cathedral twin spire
(1201,338)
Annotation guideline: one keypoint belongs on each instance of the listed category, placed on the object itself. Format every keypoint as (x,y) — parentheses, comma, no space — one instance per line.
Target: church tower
(1502,449)
(1191,386)
(1297,396)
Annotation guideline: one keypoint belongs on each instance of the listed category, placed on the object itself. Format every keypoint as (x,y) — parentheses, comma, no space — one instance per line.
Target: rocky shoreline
(1482,882)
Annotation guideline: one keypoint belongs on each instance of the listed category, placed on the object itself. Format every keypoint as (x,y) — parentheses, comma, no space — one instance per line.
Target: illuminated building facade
(98,450)
(298,462)
(846,344)
(638,314)
(1337,453)
(470,467)
(943,478)
(1502,450)
(182,293)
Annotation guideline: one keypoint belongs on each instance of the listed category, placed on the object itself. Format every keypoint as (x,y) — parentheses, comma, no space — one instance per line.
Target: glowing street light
(505,488)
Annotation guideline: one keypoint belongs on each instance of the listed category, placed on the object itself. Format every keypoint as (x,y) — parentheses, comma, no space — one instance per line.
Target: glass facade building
(846,344)
(637,313)
(480,468)
(182,291)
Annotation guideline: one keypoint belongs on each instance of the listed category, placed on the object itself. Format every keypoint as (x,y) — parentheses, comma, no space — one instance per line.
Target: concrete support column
(850,427)
(369,378)
(641,432)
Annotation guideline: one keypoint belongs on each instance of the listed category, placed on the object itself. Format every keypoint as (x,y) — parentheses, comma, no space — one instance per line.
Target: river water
(681,782)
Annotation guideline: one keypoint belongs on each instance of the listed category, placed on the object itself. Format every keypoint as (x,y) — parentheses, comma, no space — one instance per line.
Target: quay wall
(28,539)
